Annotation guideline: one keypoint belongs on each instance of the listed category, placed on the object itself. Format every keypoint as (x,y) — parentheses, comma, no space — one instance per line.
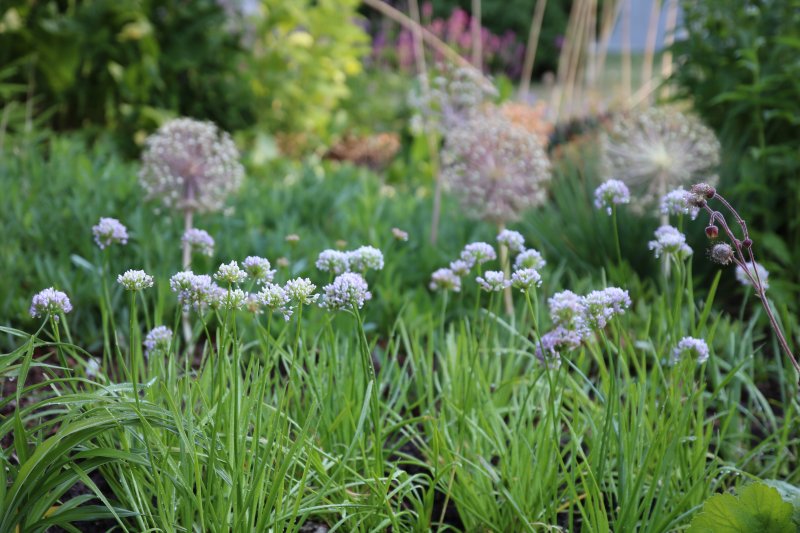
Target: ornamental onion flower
(478,253)
(333,261)
(445,279)
(135,280)
(190,165)
(525,279)
(549,348)
(529,259)
(109,231)
(566,309)
(656,150)
(157,341)
(275,298)
(348,290)
(230,273)
(50,302)
(512,239)
(690,347)
(670,242)
(230,299)
(492,281)
(459,267)
(301,291)
(258,269)
(495,168)
(676,202)
(601,306)
(200,240)
(364,258)
(754,269)
(611,193)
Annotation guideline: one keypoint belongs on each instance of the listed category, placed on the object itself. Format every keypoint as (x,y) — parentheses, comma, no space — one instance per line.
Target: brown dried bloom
(657,150)
(190,165)
(497,169)
(531,118)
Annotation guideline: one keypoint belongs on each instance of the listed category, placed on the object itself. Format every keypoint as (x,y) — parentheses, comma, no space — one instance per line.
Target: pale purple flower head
(493,280)
(525,279)
(552,343)
(529,259)
(109,231)
(230,299)
(348,290)
(50,302)
(230,273)
(135,280)
(193,290)
(512,239)
(566,309)
(157,341)
(753,268)
(445,279)
(364,258)
(460,268)
(478,253)
(259,269)
(611,193)
(333,261)
(601,306)
(399,234)
(199,240)
(690,347)
(677,203)
(275,298)
(670,242)
(301,291)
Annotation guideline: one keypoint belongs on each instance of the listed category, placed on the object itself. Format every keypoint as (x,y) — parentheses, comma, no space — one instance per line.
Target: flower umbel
(135,280)
(670,243)
(199,240)
(492,281)
(230,273)
(690,347)
(259,269)
(109,231)
(301,291)
(756,270)
(348,290)
(478,253)
(445,279)
(529,259)
(512,239)
(157,341)
(50,302)
(525,279)
(333,261)
(611,193)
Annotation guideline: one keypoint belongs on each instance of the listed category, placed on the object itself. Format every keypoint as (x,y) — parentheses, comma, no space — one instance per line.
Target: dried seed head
(704,189)
(712,231)
(721,253)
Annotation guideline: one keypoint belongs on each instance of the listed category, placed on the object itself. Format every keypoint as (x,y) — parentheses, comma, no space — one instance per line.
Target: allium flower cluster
(157,341)
(690,347)
(497,169)
(445,279)
(677,203)
(348,290)
(658,149)
(259,269)
(477,253)
(190,165)
(365,258)
(333,261)
(49,302)
(199,240)
(399,234)
(228,300)
(135,280)
(566,310)
(756,269)
(109,231)
(301,291)
(493,280)
(601,306)
(194,290)
(525,279)
(512,239)
(529,259)
(611,193)
(459,267)
(549,348)
(230,273)
(670,243)
(275,298)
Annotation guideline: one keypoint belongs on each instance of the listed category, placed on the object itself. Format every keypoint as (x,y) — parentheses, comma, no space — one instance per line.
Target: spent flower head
(190,165)
(50,302)
(445,279)
(721,253)
(199,240)
(348,290)
(157,341)
(109,231)
(135,280)
(230,273)
(493,280)
(656,150)
(670,243)
(496,169)
(259,269)
(611,193)
(690,347)
(512,239)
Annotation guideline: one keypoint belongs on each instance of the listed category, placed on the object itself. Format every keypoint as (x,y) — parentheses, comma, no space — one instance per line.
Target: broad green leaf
(757,508)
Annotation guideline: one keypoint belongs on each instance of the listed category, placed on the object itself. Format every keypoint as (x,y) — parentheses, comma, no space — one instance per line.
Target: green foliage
(304,53)
(127,65)
(757,507)
(739,67)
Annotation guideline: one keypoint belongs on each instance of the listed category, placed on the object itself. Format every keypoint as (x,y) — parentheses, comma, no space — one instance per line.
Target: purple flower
(109,231)
(365,257)
(691,347)
(601,306)
(478,253)
(199,239)
(157,342)
(566,309)
(670,242)
(525,279)
(275,298)
(611,193)
(529,259)
(445,279)
(50,302)
(333,261)
(677,203)
(348,290)
(460,268)
(753,268)
(493,280)
(259,269)
(512,239)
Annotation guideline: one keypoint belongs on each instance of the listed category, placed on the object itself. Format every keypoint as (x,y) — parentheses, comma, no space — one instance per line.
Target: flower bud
(747,243)
(712,231)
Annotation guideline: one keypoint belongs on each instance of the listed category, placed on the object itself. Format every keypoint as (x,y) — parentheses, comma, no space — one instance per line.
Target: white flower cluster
(670,243)
(135,280)
(109,231)
(756,270)
(496,169)
(690,347)
(658,149)
(190,165)
(611,193)
(259,269)
(359,260)
(348,290)
(230,273)
(157,341)
(513,240)
(676,202)
(200,240)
